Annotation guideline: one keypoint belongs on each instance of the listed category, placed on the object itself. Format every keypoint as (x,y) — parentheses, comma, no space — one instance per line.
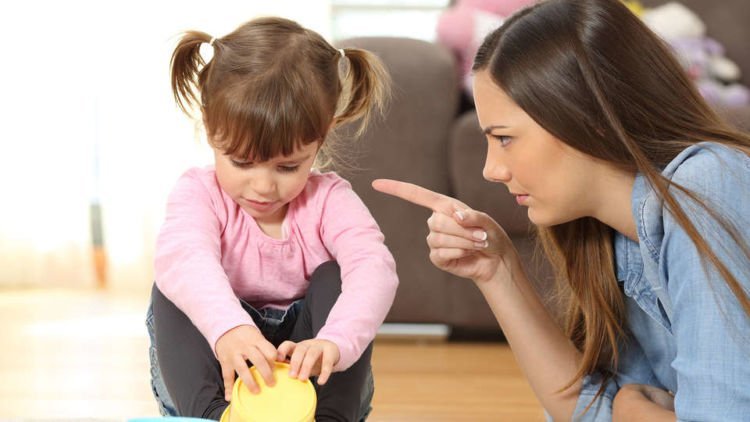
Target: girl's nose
(262,184)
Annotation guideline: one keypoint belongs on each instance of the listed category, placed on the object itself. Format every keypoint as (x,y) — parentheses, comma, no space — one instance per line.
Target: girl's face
(264,189)
(549,177)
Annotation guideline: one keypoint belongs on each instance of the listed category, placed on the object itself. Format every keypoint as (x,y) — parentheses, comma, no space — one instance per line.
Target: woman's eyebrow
(489,129)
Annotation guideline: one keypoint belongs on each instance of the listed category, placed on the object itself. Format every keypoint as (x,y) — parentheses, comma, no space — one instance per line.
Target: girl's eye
(288,169)
(241,164)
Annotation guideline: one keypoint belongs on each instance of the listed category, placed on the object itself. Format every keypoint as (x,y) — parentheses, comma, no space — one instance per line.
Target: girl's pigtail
(366,88)
(186,65)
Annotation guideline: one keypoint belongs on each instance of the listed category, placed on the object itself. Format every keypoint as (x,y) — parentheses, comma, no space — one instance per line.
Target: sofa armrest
(409,143)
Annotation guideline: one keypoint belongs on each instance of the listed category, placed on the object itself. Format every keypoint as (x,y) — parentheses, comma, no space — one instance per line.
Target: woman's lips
(521,199)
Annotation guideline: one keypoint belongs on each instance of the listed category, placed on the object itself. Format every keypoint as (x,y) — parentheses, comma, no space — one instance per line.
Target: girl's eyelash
(288,169)
(241,164)
(248,164)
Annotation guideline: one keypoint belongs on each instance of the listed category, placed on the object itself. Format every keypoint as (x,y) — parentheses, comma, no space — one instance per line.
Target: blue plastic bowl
(169,419)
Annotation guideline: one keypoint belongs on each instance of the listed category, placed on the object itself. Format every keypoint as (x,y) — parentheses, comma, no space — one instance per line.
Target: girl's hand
(313,357)
(462,241)
(635,401)
(235,348)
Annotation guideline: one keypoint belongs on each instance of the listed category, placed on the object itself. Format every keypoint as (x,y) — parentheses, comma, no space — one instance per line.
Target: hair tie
(341,51)
(211,43)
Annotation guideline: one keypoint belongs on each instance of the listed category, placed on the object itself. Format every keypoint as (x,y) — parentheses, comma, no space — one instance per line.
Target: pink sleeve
(188,257)
(368,273)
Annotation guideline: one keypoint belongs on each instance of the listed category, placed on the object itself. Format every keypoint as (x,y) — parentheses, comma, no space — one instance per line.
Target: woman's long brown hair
(273,85)
(593,75)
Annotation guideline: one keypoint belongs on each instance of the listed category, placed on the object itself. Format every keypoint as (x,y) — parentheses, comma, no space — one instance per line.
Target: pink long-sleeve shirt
(210,252)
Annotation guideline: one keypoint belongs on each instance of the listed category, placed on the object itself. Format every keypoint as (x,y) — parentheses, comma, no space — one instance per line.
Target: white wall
(81,75)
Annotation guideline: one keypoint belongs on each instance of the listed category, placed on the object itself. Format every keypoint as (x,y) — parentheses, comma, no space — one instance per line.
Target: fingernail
(482,245)
(459,215)
(480,234)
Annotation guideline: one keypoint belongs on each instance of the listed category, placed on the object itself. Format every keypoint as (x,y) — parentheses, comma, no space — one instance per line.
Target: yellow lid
(289,400)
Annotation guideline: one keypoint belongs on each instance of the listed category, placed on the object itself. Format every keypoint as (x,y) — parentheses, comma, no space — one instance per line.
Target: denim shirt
(688,333)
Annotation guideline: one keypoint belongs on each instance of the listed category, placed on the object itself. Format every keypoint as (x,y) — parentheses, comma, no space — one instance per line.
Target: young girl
(261,258)
(641,196)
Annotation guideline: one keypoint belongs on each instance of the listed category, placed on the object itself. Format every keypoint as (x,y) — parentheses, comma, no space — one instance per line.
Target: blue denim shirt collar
(638,262)
(629,265)
(629,254)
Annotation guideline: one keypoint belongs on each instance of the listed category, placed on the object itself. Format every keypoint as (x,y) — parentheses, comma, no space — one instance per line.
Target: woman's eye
(504,140)
(288,169)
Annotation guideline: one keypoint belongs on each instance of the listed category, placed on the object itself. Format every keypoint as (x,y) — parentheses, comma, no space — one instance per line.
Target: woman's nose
(495,171)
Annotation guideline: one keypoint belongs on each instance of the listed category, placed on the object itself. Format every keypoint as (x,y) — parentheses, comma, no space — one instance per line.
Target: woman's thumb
(466,217)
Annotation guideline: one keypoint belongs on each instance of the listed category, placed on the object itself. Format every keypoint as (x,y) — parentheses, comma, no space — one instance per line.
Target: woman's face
(544,174)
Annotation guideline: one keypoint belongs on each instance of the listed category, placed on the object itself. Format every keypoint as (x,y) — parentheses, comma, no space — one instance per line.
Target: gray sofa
(430,136)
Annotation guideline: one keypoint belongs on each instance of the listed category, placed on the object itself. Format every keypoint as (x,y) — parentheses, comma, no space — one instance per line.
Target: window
(398,18)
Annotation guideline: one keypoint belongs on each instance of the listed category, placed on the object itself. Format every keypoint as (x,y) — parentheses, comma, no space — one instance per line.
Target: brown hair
(593,75)
(273,85)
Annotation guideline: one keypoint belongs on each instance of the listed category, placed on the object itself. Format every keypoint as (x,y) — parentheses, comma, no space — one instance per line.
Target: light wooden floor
(74,355)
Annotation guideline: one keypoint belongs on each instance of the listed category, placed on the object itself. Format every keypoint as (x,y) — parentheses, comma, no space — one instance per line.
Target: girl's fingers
(267,349)
(308,363)
(227,373)
(244,373)
(326,368)
(296,362)
(262,366)
(285,350)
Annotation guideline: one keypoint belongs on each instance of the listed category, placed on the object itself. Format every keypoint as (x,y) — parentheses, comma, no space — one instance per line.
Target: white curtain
(88,116)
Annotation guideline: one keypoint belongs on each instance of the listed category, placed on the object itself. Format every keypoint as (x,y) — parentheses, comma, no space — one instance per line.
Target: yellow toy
(290,400)
(635,6)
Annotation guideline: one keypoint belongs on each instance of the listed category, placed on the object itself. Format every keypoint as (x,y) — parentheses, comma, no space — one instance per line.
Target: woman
(640,194)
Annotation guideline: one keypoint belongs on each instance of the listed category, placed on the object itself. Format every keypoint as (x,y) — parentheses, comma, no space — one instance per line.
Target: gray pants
(186,377)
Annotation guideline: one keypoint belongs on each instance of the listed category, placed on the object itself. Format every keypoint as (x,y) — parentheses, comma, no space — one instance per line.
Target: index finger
(417,195)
